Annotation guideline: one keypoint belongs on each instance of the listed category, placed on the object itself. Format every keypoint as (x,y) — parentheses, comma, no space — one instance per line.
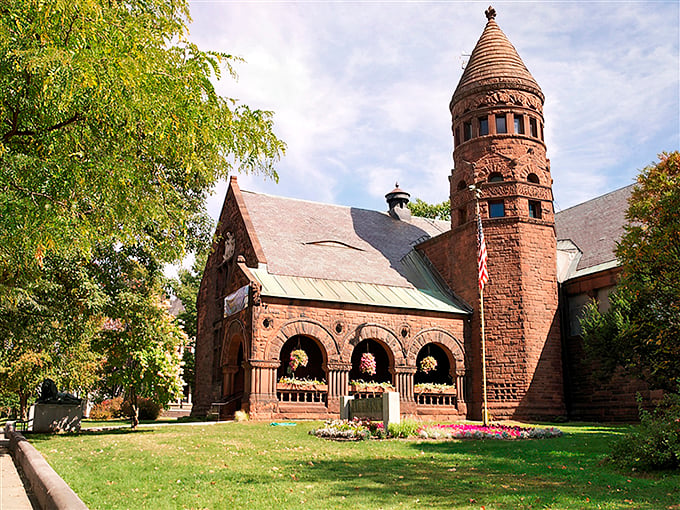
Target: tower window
(534,128)
(461,185)
(462,215)
(496,209)
(500,124)
(456,135)
(483,126)
(467,131)
(534,209)
(541,131)
(519,124)
(532,177)
(496,177)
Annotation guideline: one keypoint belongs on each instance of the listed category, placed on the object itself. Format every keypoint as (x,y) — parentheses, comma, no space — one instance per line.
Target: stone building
(346,285)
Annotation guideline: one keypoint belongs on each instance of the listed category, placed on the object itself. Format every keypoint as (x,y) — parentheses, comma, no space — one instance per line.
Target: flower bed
(468,431)
(356,429)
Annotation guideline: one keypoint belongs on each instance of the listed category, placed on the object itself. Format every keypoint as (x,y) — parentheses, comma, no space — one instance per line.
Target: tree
(48,331)
(111,131)
(140,339)
(641,330)
(423,209)
(185,287)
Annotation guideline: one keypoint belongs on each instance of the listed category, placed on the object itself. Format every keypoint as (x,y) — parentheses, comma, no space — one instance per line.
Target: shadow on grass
(39,437)
(562,472)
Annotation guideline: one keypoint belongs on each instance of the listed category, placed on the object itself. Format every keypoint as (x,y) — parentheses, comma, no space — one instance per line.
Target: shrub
(241,416)
(148,409)
(108,409)
(655,443)
(405,428)
(355,429)
(9,405)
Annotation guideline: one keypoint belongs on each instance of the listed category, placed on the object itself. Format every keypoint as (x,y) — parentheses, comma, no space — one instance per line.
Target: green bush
(108,409)
(405,428)
(9,405)
(148,409)
(655,443)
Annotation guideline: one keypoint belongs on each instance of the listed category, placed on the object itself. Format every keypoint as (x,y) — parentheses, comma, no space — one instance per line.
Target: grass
(255,466)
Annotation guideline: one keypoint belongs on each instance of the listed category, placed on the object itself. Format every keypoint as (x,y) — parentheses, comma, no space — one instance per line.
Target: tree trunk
(134,408)
(23,406)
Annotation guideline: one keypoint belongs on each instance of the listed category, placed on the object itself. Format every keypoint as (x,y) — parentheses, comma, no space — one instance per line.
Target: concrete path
(13,495)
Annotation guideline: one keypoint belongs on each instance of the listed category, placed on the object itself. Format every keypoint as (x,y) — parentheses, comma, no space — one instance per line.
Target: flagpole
(485,410)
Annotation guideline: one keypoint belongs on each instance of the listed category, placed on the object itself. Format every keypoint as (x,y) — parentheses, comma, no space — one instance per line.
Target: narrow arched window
(461,185)
(533,178)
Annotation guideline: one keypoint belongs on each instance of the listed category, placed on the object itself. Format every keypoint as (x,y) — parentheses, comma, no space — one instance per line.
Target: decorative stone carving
(229,247)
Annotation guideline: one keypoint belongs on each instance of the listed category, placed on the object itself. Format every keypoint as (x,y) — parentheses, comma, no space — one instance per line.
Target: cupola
(397,201)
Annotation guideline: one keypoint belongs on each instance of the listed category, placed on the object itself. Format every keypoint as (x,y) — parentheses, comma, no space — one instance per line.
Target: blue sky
(360,90)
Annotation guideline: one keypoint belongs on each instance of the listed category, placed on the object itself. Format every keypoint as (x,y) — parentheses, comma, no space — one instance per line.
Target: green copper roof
(428,293)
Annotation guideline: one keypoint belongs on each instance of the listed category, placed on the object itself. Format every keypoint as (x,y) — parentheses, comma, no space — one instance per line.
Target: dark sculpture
(50,395)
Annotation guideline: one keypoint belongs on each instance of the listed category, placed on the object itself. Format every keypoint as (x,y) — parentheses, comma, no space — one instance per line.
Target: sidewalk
(13,495)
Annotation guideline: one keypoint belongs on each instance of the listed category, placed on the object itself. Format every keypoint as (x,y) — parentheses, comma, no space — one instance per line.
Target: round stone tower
(497,122)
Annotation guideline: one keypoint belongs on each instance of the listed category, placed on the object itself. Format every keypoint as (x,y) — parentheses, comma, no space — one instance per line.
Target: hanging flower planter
(298,358)
(428,364)
(367,364)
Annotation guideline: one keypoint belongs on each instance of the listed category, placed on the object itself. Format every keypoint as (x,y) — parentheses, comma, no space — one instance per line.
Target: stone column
(228,373)
(338,384)
(404,381)
(261,385)
(461,403)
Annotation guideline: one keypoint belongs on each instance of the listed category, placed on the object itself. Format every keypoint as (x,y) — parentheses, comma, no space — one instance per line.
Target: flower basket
(428,364)
(367,364)
(298,358)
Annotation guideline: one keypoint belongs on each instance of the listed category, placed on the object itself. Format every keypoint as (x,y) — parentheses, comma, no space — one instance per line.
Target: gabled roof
(493,64)
(595,227)
(336,253)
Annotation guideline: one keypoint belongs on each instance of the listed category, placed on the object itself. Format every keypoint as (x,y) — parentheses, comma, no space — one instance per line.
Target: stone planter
(436,391)
(301,387)
(365,388)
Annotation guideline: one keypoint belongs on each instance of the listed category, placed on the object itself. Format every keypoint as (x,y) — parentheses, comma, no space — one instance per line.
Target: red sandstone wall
(218,281)
(588,397)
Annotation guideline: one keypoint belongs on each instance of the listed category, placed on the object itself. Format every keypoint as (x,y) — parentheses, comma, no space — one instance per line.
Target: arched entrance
(316,359)
(441,374)
(298,389)
(383,362)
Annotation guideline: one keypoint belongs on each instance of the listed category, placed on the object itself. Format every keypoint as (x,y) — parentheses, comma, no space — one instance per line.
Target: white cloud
(360,91)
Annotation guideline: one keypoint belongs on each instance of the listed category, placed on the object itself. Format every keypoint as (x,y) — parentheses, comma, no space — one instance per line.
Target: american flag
(481,255)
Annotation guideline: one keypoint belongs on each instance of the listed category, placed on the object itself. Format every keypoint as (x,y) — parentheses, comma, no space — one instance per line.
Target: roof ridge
(432,221)
(595,198)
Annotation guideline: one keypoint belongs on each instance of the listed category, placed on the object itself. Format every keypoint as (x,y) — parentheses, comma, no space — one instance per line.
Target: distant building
(341,283)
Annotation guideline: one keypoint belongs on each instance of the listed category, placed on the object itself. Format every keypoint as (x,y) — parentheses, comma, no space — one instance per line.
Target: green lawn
(256,466)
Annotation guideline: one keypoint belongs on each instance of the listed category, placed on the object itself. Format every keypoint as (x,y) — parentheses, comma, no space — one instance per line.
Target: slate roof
(595,226)
(494,63)
(324,241)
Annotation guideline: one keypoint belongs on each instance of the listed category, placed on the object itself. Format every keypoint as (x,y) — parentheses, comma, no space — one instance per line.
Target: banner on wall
(236,301)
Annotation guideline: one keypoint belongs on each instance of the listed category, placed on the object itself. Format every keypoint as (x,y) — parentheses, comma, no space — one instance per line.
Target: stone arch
(374,332)
(307,328)
(454,348)
(235,335)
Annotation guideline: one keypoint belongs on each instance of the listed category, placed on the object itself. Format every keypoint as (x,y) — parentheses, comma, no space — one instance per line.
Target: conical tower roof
(494,64)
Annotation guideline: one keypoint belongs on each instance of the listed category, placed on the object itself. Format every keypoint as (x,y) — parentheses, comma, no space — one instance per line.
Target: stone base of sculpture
(56,418)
